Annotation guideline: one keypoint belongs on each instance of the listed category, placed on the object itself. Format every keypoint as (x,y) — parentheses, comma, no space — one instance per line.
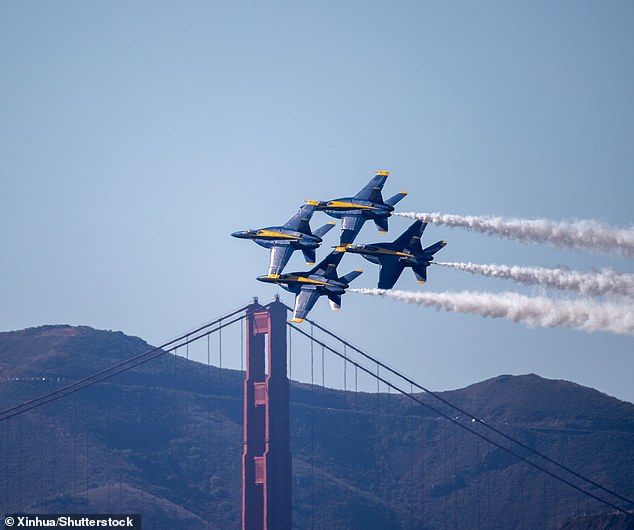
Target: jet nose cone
(270,278)
(240,234)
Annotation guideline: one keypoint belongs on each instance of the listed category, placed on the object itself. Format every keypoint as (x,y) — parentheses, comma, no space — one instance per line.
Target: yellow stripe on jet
(277,235)
(392,252)
(341,204)
(303,279)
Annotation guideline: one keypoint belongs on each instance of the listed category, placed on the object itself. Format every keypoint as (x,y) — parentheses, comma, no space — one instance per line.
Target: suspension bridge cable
(346,440)
(312,432)
(175,435)
(7,474)
(145,440)
(186,426)
(465,427)
(324,499)
(209,441)
(137,360)
(220,403)
(20,459)
(220,400)
(466,413)
(100,376)
(108,446)
(75,430)
(117,368)
(41,459)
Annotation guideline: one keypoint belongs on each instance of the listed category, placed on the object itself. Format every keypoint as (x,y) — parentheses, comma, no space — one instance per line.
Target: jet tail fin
(420,271)
(335,301)
(393,200)
(323,230)
(381,224)
(351,276)
(435,247)
(309,255)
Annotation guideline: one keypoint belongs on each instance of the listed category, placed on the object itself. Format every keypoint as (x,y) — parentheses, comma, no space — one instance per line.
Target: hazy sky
(136,136)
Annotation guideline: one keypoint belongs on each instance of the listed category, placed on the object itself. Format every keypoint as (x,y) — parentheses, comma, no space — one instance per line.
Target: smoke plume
(587,315)
(593,283)
(577,235)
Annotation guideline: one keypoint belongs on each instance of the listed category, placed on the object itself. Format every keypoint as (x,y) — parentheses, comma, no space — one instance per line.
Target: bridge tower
(266,456)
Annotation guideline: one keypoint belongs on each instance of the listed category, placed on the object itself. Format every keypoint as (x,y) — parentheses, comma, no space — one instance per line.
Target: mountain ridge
(155,451)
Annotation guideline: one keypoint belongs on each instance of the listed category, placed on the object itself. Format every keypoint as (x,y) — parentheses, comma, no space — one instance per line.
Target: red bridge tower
(266,457)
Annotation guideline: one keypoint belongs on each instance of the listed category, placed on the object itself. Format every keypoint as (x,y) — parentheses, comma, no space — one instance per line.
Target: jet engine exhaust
(602,282)
(587,315)
(582,234)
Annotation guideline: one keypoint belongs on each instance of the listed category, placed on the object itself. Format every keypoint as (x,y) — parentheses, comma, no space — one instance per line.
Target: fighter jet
(310,285)
(367,204)
(405,251)
(286,239)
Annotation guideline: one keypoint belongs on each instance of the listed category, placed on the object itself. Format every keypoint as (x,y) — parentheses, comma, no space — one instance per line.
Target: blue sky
(136,136)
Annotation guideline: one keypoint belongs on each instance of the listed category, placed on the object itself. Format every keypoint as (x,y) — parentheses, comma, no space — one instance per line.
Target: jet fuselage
(294,281)
(376,251)
(343,206)
(277,235)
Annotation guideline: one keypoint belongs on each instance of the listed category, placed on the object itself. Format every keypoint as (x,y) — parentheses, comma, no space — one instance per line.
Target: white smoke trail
(586,315)
(577,235)
(593,283)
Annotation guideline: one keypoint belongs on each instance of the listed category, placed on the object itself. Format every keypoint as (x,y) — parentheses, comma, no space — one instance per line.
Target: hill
(165,440)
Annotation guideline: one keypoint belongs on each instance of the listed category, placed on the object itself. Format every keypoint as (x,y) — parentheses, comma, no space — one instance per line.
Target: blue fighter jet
(286,239)
(310,285)
(404,251)
(365,205)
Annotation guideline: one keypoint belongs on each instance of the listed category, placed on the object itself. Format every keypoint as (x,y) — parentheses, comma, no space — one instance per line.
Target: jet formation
(323,279)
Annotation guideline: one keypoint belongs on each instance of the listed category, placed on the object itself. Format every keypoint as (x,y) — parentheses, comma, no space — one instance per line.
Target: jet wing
(280,254)
(350,226)
(372,190)
(300,222)
(390,271)
(304,302)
